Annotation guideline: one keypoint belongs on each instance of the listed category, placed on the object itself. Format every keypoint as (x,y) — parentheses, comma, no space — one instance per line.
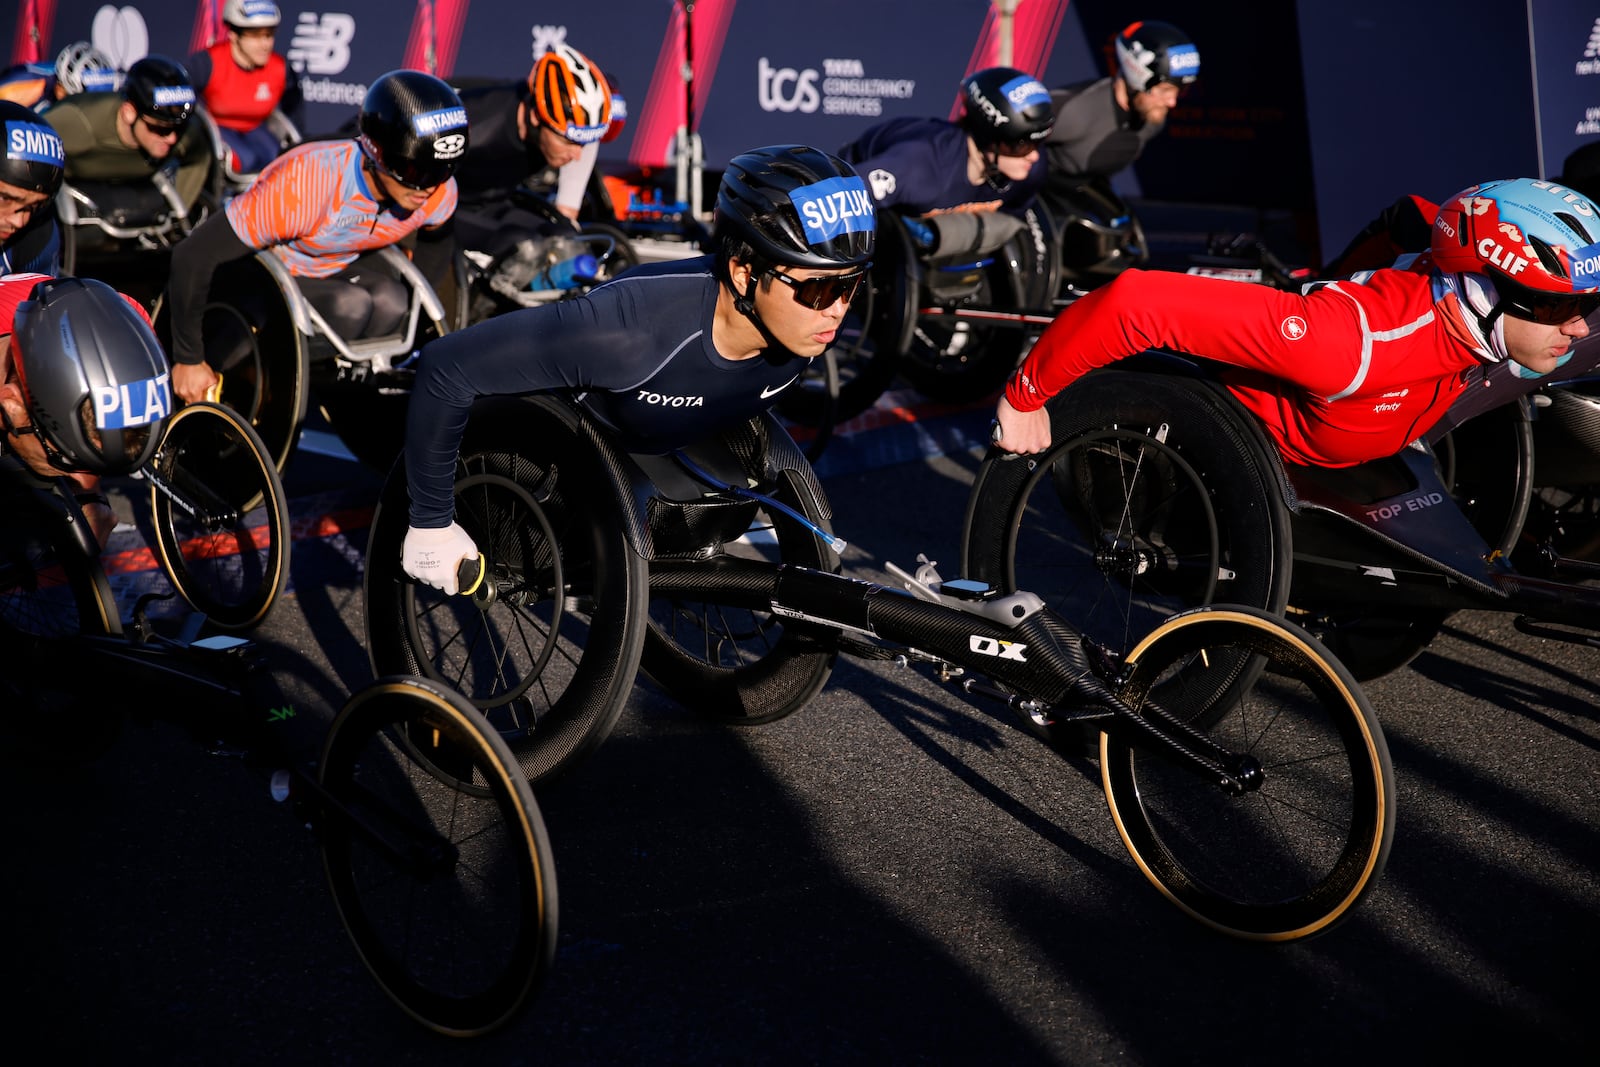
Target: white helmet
(81,67)
(251,14)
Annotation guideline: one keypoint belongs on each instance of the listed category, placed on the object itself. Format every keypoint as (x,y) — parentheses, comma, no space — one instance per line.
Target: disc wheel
(220,515)
(1293,856)
(551,658)
(733,663)
(449,895)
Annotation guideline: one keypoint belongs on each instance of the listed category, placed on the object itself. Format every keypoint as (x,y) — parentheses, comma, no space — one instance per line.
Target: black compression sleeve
(194,260)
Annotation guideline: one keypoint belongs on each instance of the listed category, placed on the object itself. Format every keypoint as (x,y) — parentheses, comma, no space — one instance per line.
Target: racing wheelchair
(1161,493)
(715,570)
(444,884)
(274,352)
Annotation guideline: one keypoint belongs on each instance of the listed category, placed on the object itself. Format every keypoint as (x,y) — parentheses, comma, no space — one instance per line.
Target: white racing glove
(432,556)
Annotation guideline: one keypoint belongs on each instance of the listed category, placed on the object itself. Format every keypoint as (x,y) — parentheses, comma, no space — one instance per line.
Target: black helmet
(413,128)
(797,206)
(159,89)
(32,156)
(1002,105)
(86,359)
(1149,53)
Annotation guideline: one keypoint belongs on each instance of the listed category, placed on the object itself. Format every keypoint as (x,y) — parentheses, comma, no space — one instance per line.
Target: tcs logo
(321,43)
(786,89)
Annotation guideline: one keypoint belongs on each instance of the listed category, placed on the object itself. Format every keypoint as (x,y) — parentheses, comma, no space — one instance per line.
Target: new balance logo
(321,43)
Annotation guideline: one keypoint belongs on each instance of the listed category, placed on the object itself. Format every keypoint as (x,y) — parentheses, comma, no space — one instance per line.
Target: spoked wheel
(1293,856)
(953,359)
(736,664)
(448,894)
(220,515)
(550,659)
(618,257)
(49,591)
(1118,529)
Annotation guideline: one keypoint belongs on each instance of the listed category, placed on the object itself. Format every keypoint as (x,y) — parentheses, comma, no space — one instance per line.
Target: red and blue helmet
(1537,241)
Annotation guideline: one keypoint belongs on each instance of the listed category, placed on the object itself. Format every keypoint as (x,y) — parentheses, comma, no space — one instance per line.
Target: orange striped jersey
(313,207)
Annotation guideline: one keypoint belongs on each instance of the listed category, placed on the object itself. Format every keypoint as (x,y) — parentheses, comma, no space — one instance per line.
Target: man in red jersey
(241,80)
(1355,369)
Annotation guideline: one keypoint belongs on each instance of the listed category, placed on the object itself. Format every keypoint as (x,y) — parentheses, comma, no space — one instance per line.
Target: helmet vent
(1573,221)
(1547,256)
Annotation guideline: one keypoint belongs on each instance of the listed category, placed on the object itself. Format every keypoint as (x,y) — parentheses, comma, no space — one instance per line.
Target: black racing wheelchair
(1245,770)
(1161,493)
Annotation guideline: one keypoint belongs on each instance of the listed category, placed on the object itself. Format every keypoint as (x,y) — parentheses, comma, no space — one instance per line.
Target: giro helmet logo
(121,34)
(321,43)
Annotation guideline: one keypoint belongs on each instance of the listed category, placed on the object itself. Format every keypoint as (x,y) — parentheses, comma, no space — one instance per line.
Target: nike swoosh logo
(774,392)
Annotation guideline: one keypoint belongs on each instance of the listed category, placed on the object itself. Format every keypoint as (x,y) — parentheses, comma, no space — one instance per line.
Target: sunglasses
(416,187)
(1016,149)
(1555,311)
(820,293)
(161,129)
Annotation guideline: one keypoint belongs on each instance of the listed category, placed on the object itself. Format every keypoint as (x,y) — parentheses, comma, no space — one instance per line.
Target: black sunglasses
(1555,311)
(820,293)
(161,129)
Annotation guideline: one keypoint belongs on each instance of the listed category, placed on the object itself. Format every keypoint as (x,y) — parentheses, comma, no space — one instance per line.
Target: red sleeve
(1311,341)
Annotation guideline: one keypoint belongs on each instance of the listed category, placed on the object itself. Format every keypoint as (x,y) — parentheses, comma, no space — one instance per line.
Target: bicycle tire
(553,693)
(220,515)
(1172,507)
(1287,860)
(462,931)
(955,360)
(738,665)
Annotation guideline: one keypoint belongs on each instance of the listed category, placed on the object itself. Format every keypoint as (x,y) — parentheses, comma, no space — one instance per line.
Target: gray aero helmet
(32,156)
(797,206)
(79,347)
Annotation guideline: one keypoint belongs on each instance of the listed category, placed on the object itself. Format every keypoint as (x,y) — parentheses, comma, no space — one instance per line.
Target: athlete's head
(1007,114)
(31,165)
(794,231)
(1524,256)
(413,130)
(158,100)
(569,101)
(83,68)
(252,28)
(1156,61)
(88,377)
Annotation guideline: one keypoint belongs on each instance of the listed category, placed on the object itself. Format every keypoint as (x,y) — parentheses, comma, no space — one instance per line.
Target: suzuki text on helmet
(795,207)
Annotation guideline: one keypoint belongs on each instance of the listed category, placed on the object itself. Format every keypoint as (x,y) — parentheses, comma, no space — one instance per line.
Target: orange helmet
(569,94)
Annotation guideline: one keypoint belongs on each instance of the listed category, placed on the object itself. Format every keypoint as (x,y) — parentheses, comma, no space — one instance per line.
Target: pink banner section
(208,28)
(1034,26)
(34,23)
(441,21)
(663,110)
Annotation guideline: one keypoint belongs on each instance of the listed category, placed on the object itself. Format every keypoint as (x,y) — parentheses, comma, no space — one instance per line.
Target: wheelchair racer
(550,124)
(80,67)
(1356,369)
(242,81)
(83,385)
(928,169)
(32,162)
(666,354)
(125,138)
(325,208)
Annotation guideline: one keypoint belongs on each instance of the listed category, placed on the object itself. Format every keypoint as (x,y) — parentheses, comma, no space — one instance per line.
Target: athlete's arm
(573,181)
(1312,342)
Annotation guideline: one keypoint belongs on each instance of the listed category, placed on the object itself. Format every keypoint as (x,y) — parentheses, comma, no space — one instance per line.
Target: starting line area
(901,428)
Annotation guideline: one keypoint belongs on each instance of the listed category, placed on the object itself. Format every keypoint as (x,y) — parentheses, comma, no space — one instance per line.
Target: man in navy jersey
(666,355)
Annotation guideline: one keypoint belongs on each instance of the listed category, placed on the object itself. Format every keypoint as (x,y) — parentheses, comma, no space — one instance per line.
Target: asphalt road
(889,876)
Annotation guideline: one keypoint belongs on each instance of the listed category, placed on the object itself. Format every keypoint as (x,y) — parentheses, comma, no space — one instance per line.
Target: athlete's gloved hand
(432,556)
